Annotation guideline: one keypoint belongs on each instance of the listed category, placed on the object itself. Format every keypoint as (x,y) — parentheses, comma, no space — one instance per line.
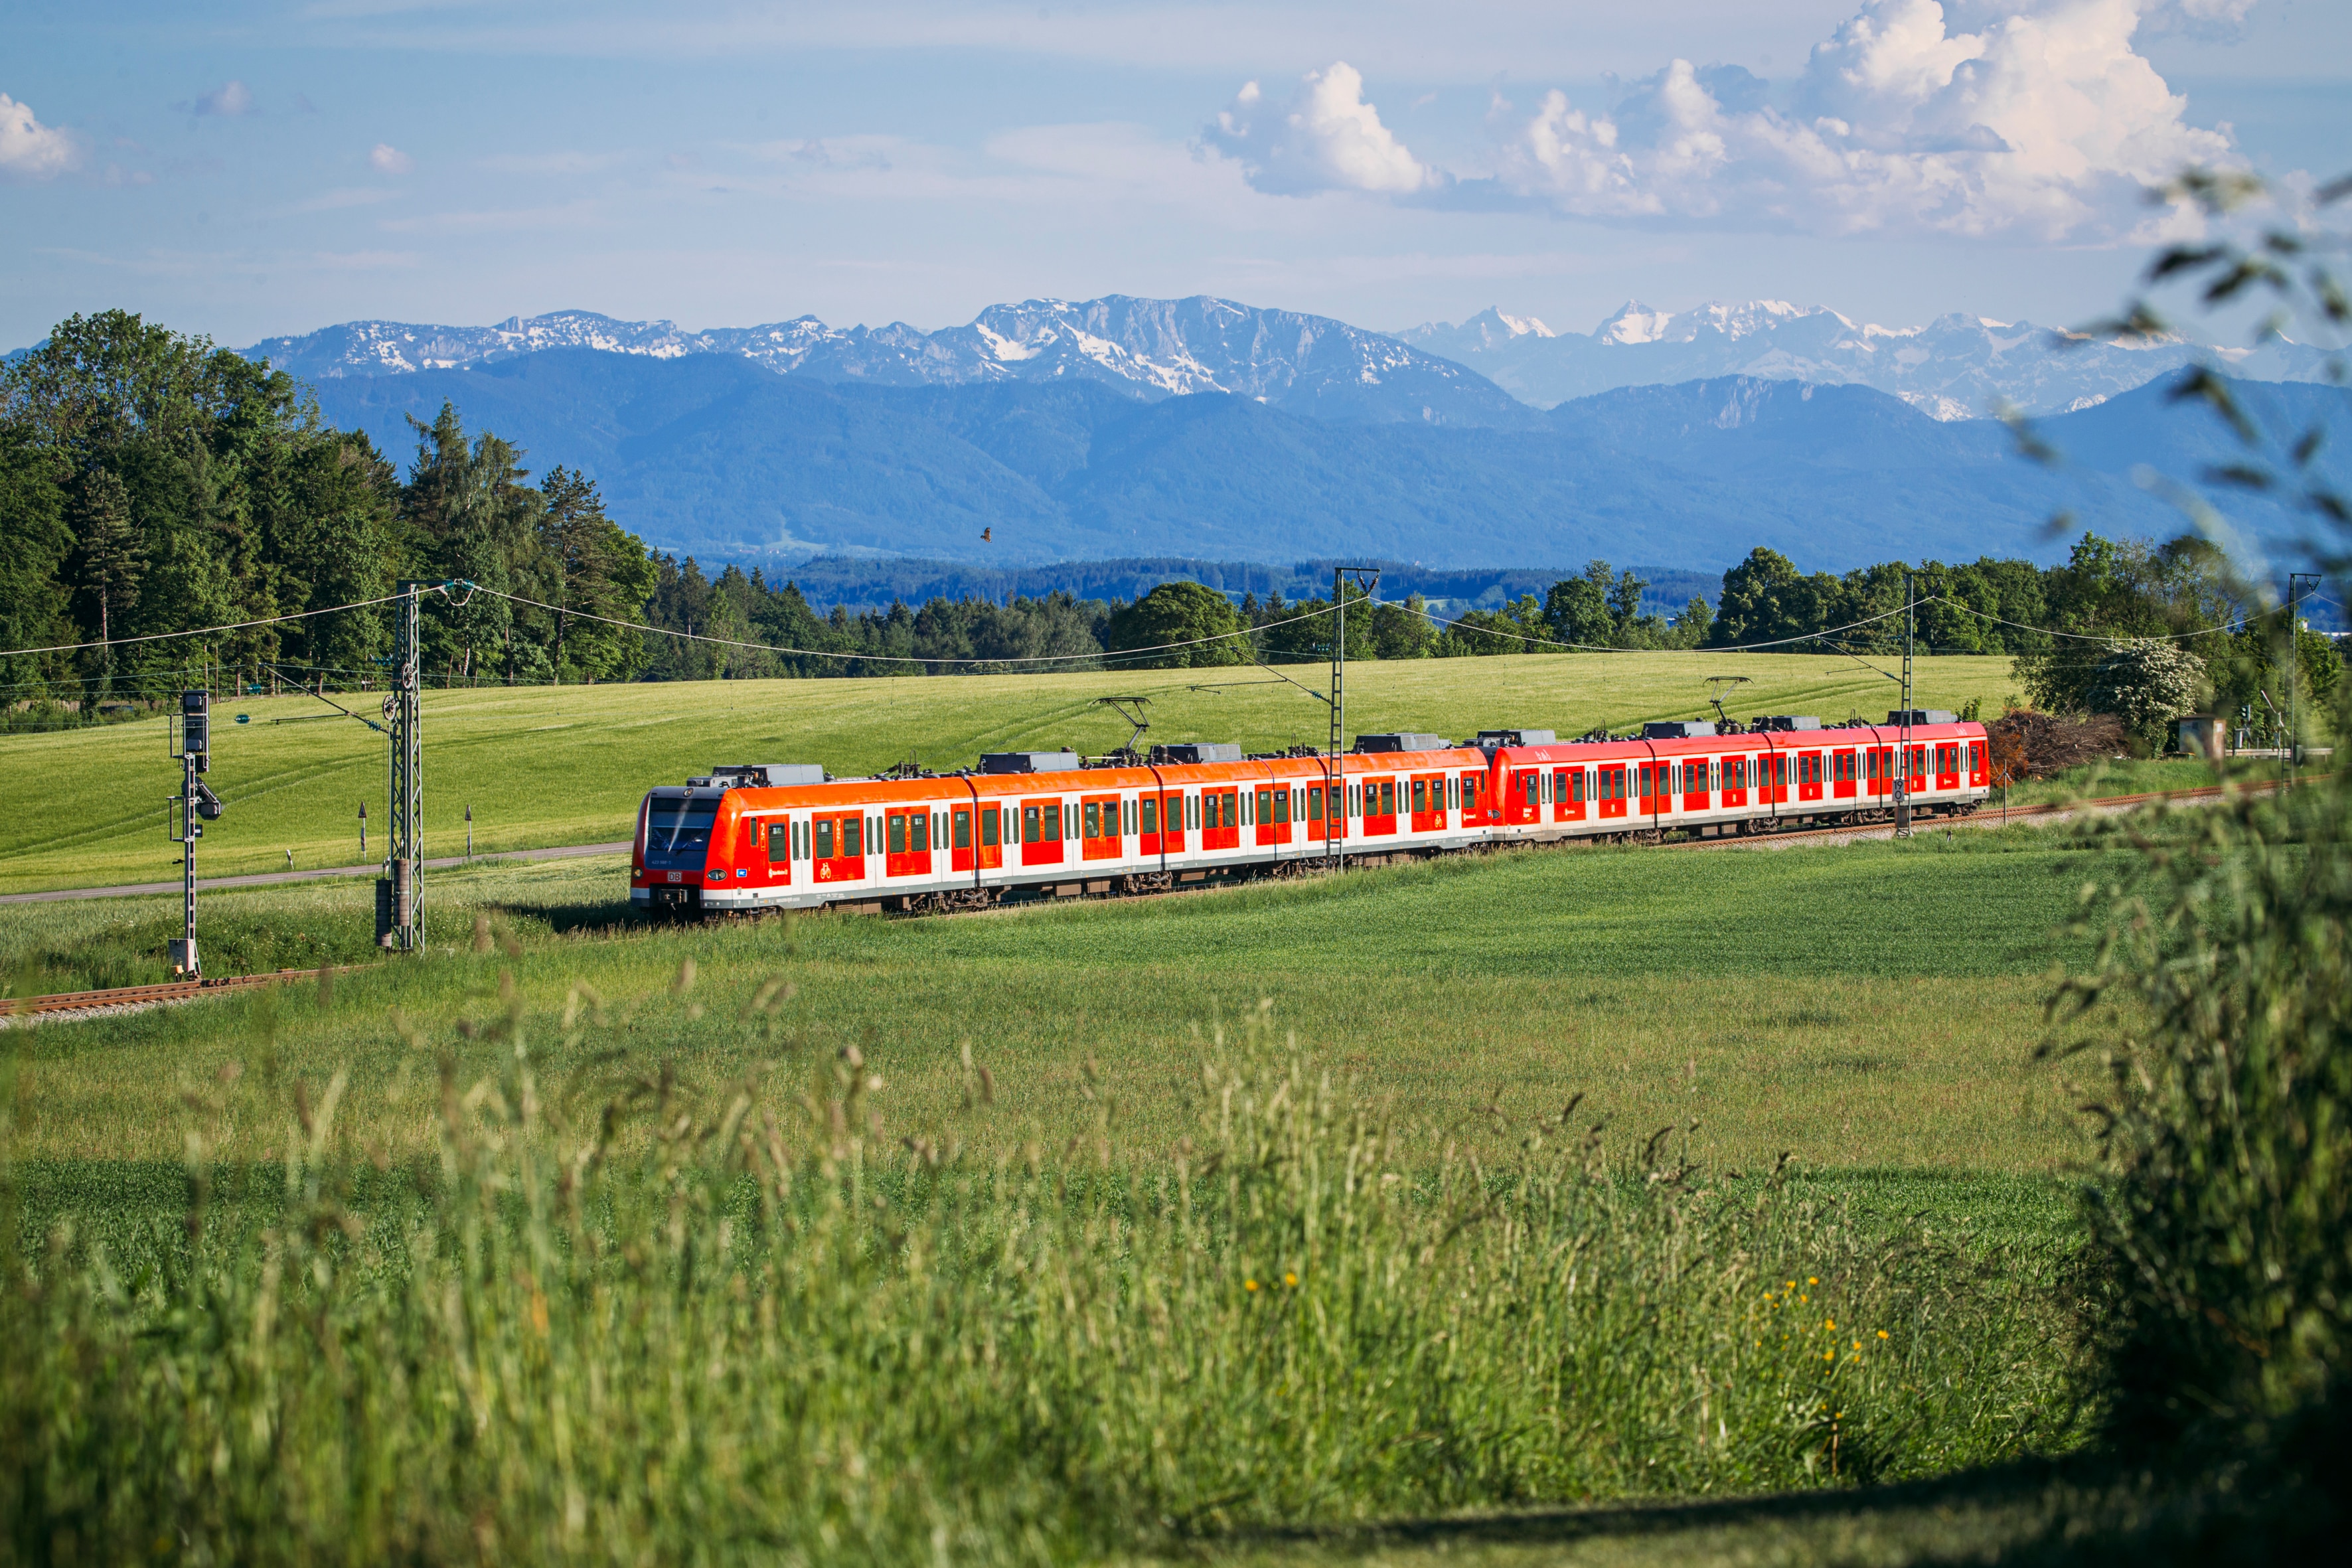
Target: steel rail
(167,990)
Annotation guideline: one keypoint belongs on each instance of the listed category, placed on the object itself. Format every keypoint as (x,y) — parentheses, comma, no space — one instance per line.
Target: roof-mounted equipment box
(1788,722)
(766,775)
(1185,752)
(1677,730)
(1488,740)
(1923,716)
(1028,762)
(1402,741)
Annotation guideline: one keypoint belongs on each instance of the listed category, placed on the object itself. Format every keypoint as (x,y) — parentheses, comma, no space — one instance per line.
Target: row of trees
(151,483)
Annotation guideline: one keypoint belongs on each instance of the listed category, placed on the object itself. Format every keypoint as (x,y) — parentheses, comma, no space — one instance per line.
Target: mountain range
(1491,369)
(1148,349)
(711,453)
(1955,367)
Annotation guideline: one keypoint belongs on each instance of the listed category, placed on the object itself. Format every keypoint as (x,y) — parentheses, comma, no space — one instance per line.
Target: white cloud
(227,101)
(30,150)
(387,159)
(1326,138)
(2043,125)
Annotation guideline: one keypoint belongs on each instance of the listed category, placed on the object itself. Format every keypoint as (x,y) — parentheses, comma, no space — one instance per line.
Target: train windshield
(674,825)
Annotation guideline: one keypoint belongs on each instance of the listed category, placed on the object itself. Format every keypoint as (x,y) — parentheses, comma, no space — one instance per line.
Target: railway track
(144,995)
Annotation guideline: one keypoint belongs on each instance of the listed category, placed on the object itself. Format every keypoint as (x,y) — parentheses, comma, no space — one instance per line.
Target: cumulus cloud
(1325,138)
(226,101)
(387,159)
(30,150)
(2043,124)
(2030,120)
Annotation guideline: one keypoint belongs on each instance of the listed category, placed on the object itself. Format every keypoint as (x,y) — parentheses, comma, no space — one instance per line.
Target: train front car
(722,843)
(672,852)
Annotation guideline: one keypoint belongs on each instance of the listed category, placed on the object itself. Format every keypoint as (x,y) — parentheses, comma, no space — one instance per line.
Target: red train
(1031,823)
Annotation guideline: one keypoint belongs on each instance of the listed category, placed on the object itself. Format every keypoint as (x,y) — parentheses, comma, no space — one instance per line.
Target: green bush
(2224,1219)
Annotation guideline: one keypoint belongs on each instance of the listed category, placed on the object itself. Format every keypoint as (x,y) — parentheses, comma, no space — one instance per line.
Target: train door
(1841,774)
(1429,803)
(838,849)
(1979,778)
(1322,825)
(1041,833)
(959,838)
(1270,815)
(906,840)
(1948,766)
(1221,819)
(1613,791)
(1475,808)
(1568,794)
(1916,779)
(1379,805)
(1690,783)
(996,826)
(1810,780)
(777,835)
(1101,833)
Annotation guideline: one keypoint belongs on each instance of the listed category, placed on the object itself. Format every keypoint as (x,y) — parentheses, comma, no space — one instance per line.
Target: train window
(1151,816)
(779,845)
(988,828)
(964,829)
(1315,803)
(1094,820)
(1029,821)
(1193,811)
(898,834)
(1281,806)
(853,838)
(1420,797)
(922,825)
(1387,797)
(825,840)
(1208,812)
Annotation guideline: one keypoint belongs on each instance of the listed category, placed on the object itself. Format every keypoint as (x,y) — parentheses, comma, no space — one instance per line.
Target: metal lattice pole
(1335,787)
(2295,583)
(1334,784)
(1903,756)
(405,788)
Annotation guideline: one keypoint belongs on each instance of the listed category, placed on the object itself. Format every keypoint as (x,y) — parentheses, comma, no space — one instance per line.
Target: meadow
(1241,1223)
(567,765)
(1543,1177)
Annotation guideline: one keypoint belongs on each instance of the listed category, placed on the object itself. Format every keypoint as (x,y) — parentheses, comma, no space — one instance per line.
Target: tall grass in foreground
(616,1326)
(2225,1222)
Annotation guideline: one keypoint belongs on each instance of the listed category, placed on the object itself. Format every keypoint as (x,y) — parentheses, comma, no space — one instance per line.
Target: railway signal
(192,749)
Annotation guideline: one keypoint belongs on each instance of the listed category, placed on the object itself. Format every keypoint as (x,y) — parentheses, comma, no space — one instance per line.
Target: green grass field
(1873,1007)
(567,765)
(1870,1010)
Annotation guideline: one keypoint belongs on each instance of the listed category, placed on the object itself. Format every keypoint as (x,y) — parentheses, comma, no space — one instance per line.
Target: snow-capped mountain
(1147,348)
(1955,367)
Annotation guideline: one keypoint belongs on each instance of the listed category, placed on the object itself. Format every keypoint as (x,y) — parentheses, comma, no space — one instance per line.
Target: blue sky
(247,169)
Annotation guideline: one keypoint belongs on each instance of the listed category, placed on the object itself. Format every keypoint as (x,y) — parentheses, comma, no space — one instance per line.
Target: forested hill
(711,454)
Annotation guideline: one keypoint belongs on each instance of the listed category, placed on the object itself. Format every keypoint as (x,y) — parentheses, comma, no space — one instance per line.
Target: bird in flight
(984,534)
